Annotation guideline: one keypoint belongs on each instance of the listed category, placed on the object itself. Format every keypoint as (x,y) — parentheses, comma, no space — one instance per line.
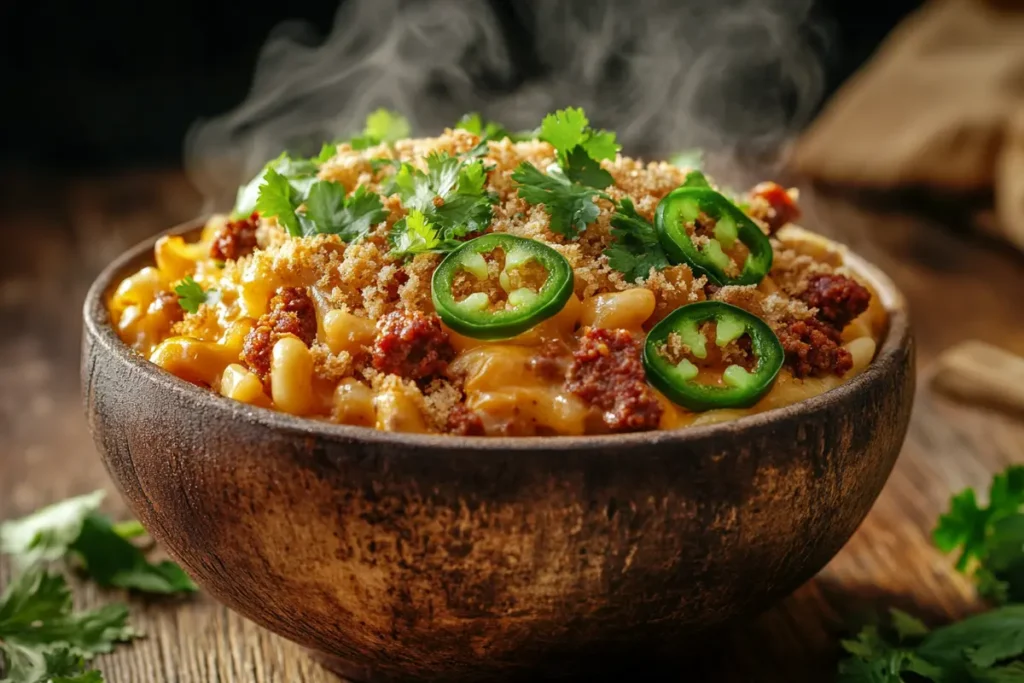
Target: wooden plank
(60,233)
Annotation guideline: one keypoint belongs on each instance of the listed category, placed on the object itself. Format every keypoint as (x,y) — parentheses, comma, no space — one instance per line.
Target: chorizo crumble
(314,296)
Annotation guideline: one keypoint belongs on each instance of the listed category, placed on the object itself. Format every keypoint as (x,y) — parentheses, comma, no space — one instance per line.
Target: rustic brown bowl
(411,557)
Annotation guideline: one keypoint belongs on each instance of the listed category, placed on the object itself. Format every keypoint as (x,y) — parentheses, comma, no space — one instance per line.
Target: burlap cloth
(939,106)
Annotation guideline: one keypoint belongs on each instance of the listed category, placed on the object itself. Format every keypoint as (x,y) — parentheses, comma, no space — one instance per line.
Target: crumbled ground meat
(839,299)
(411,344)
(551,361)
(291,312)
(772,204)
(169,304)
(813,348)
(464,422)
(236,239)
(607,372)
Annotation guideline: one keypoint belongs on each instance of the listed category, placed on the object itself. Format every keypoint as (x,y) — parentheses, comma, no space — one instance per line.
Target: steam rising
(666,75)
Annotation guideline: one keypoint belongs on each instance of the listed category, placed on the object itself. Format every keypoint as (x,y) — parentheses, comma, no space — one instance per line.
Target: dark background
(90,87)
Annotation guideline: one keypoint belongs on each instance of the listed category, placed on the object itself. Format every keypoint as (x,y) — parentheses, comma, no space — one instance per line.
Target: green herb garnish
(42,639)
(987,647)
(381,126)
(323,209)
(191,295)
(451,197)
(74,529)
(570,205)
(990,539)
(636,249)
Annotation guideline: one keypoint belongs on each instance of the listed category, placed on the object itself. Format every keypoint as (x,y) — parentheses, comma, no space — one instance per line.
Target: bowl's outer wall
(416,560)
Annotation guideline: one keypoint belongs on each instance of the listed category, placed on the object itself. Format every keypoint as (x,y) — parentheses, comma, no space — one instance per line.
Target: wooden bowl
(412,557)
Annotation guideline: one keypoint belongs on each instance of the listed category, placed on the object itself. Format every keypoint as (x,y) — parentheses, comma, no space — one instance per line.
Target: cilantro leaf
(583,169)
(278,199)
(485,130)
(75,528)
(327,152)
(565,129)
(601,145)
(113,561)
(570,206)
(386,126)
(43,639)
(190,294)
(61,665)
(299,172)
(450,194)
(569,128)
(876,660)
(991,538)
(636,249)
(414,234)
(382,125)
(1001,578)
(45,535)
(983,640)
(330,212)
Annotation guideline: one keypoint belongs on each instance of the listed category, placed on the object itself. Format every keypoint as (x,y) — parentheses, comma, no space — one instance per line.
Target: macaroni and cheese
(323,298)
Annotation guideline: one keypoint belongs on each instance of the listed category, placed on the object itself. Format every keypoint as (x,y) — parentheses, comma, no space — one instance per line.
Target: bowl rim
(895,342)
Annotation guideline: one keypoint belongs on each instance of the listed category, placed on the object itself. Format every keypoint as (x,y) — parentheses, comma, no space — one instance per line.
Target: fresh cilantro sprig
(986,647)
(488,131)
(570,205)
(43,640)
(568,190)
(568,129)
(989,539)
(381,126)
(191,295)
(76,530)
(323,208)
(450,199)
(636,249)
(301,173)
(415,234)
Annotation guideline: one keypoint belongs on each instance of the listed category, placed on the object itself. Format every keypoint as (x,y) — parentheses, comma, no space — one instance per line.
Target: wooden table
(58,233)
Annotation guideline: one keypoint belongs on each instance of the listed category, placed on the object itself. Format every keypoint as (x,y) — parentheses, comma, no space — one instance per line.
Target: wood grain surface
(58,233)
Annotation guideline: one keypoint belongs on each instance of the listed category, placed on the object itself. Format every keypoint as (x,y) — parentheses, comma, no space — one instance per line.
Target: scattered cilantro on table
(74,529)
(42,639)
(984,648)
(450,200)
(191,295)
(989,539)
(636,249)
